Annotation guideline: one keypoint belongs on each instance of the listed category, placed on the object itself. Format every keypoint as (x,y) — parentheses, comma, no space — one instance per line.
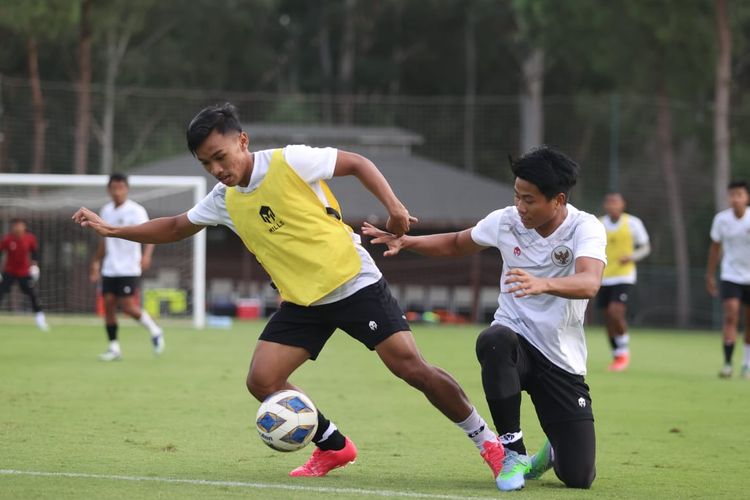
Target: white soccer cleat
(110,356)
(158,342)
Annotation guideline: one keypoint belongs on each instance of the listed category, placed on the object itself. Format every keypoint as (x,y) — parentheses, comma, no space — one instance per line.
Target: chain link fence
(613,138)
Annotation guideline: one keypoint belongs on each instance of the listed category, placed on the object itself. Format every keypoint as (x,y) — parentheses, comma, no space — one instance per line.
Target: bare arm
(155,231)
(368,174)
(583,284)
(434,245)
(96,262)
(714,255)
(148,252)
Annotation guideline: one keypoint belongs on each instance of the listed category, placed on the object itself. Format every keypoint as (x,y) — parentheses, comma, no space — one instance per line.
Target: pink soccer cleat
(493,453)
(322,462)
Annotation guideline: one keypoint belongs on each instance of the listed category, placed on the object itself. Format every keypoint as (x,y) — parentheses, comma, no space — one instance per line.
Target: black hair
(17,220)
(220,117)
(738,184)
(117,177)
(548,169)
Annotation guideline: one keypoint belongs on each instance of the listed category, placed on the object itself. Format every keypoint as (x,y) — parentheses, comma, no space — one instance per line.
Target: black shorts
(25,282)
(370,315)
(613,293)
(731,290)
(120,286)
(558,395)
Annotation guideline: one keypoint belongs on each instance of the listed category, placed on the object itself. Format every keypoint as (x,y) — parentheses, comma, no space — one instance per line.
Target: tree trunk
(532,100)
(37,103)
(721,105)
(346,63)
(674,202)
(116,48)
(83,117)
(326,61)
(470,93)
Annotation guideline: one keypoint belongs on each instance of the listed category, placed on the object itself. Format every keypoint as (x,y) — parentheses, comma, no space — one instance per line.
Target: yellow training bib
(619,244)
(307,252)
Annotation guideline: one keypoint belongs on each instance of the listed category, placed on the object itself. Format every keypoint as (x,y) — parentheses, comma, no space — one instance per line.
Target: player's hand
(523,284)
(94,274)
(34,272)
(625,259)
(399,221)
(711,285)
(380,237)
(145,262)
(88,218)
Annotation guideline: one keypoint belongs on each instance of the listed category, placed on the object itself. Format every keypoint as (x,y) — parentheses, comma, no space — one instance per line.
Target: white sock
(511,437)
(476,429)
(623,344)
(149,323)
(746,361)
(114,346)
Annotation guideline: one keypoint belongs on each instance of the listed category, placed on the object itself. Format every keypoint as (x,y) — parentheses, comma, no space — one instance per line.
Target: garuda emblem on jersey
(562,256)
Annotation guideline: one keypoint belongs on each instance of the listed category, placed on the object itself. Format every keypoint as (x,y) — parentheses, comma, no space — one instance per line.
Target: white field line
(241,484)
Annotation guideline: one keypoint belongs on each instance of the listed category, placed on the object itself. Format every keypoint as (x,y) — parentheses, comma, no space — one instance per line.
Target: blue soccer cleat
(515,466)
(541,462)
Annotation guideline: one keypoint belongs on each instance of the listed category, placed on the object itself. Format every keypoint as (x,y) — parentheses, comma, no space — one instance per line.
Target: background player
(22,255)
(119,263)
(730,242)
(627,243)
(553,257)
(280,206)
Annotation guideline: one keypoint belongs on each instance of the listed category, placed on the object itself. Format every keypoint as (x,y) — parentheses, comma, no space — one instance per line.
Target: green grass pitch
(151,427)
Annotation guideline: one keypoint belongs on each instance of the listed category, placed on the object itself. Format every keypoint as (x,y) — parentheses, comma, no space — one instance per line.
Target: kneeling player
(553,258)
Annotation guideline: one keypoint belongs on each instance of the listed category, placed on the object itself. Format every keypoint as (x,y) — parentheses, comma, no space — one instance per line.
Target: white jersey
(312,165)
(554,325)
(734,236)
(640,238)
(122,257)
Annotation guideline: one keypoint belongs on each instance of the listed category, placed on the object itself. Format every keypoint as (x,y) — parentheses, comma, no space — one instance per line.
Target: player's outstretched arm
(161,230)
(433,245)
(583,284)
(368,174)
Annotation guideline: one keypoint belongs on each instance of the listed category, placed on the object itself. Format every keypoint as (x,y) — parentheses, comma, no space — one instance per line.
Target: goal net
(173,286)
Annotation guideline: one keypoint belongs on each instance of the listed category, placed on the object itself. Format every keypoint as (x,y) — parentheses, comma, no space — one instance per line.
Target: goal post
(47,202)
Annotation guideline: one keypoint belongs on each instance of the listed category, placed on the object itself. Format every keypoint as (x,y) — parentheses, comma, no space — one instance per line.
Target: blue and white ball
(287,420)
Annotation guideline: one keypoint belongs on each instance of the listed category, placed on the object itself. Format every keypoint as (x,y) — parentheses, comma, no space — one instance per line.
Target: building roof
(436,193)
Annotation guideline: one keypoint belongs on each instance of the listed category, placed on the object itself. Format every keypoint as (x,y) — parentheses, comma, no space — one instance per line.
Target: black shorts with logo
(558,395)
(613,293)
(370,315)
(730,290)
(120,286)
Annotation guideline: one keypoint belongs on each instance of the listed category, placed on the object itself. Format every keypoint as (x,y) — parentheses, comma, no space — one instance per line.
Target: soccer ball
(287,420)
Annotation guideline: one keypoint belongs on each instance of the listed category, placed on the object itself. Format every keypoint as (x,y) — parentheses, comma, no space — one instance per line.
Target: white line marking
(240,484)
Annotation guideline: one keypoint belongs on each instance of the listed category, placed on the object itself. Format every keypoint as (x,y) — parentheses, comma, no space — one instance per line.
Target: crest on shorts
(562,256)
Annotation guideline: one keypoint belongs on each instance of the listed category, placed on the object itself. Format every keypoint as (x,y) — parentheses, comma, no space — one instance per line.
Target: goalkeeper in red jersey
(22,252)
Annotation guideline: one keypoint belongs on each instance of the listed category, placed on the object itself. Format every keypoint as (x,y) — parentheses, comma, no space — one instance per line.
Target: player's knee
(496,341)
(261,387)
(579,477)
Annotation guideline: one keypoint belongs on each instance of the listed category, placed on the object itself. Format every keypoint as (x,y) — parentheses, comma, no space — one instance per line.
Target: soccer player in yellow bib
(278,203)
(627,243)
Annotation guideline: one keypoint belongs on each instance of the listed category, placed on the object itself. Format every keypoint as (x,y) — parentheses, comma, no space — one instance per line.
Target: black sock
(613,343)
(506,414)
(112,332)
(335,441)
(728,351)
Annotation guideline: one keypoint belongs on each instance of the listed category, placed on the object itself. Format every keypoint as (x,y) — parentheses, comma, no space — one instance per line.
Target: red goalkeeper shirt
(19,250)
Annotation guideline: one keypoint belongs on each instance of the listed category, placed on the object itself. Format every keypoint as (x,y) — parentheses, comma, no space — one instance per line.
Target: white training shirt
(640,238)
(554,325)
(122,257)
(312,165)
(734,236)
